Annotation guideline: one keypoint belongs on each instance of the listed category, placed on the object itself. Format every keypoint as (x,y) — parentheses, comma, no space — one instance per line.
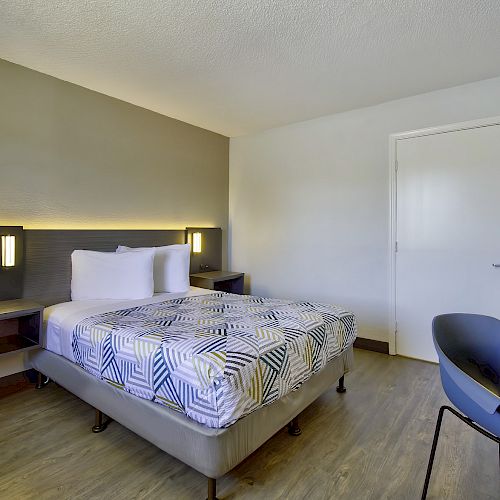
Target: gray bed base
(213,452)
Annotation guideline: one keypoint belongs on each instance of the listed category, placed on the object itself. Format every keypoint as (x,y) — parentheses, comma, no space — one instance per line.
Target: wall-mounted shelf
(222,281)
(20,326)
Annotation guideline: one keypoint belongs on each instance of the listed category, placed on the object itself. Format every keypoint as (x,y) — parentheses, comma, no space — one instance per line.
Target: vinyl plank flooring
(372,442)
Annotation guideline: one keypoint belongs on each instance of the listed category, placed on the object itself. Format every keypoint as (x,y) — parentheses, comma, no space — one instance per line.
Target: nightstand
(20,326)
(222,281)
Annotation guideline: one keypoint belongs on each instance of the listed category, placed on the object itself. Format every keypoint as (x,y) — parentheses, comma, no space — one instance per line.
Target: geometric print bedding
(215,358)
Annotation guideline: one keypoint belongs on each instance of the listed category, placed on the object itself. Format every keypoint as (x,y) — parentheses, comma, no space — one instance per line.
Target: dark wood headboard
(47,261)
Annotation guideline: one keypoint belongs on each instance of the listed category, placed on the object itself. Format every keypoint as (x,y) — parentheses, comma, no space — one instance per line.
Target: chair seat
(468,346)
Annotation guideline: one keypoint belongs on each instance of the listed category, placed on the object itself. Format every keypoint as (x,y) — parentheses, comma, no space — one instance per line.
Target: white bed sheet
(59,320)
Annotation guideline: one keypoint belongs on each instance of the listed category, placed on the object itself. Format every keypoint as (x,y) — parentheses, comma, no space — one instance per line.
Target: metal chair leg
(463,418)
(433,452)
(100,423)
(341,387)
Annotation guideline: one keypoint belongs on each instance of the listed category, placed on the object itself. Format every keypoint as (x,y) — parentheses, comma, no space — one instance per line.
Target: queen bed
(206,376)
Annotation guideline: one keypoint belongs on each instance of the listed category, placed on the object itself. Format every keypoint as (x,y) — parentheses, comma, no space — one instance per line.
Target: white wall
(309,202)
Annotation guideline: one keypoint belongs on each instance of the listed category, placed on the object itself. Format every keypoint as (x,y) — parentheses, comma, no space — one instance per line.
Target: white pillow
(171,267)
(108,275)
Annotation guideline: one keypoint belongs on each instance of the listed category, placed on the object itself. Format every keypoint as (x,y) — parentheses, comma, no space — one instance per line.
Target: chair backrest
(472,343)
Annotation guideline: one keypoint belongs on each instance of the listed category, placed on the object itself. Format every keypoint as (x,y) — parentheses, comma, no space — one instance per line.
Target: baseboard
(372,345)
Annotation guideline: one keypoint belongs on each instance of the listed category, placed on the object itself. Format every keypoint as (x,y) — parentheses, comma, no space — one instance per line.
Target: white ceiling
(240,66)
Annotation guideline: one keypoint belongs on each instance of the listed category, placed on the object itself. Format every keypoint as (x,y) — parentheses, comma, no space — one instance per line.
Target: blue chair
(468,346)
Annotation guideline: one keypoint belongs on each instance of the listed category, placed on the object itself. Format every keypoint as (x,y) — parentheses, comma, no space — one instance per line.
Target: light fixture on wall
(8,250)
(11,262)
(206,248)
(196,243)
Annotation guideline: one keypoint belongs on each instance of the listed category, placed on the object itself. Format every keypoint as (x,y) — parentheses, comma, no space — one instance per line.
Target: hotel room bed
(206,376)
(287,354)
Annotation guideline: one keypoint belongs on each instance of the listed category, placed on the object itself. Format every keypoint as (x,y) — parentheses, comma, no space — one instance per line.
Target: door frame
(393,188)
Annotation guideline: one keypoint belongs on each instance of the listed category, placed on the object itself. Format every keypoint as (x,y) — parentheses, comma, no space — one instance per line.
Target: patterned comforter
(216,357)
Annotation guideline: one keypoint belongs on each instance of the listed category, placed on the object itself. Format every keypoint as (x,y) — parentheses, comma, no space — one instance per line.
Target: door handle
(495,265)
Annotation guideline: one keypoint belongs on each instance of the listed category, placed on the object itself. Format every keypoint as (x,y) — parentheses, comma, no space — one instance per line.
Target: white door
(447,231)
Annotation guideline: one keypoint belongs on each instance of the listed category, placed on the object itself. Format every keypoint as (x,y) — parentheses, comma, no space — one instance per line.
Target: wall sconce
(206,248)
(196,243)
(11,262)
(8,250)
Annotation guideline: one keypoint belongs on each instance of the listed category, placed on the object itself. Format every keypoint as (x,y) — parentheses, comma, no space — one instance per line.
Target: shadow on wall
(263,290)
(247,287)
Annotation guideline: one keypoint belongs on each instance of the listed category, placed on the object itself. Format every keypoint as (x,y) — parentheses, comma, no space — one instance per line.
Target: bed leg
(212,489)
(293,427)
(100,422)
(40,382)
(341,387)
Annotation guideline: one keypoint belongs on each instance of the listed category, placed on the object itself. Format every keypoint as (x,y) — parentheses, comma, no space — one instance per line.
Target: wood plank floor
(370,443)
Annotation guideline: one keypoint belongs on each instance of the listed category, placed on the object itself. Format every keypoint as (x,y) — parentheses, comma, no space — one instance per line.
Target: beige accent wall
(74,158)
